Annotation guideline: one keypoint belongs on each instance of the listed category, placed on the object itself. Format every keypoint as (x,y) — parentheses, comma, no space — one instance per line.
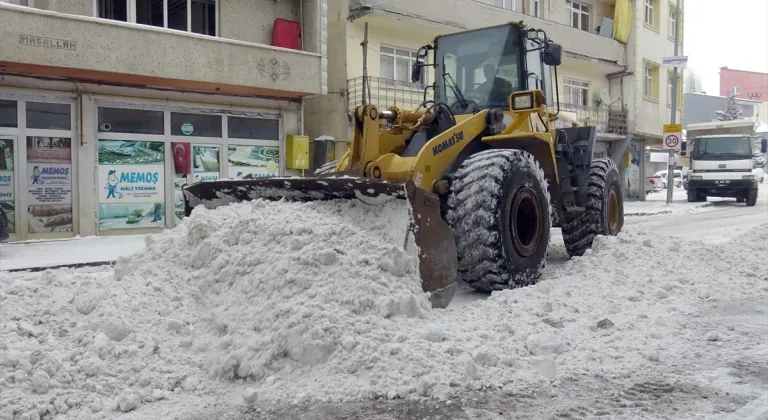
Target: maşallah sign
(41,41)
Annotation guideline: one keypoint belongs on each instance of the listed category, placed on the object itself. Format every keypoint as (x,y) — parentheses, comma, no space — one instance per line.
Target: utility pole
(673,118)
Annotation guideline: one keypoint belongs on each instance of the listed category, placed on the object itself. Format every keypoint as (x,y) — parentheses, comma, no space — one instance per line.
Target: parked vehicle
(652,185)
(662,177)
(4,234)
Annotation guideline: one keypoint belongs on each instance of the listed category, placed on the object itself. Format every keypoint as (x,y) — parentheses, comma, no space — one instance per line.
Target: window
(672,25)
(9,114)
(576,92)
(48,116)
(651,81)
(578,15)
(197,16)
(735,90)
(253,128)
(535,8)
(195,125)
(134,121)
(395,64)
(514,5)
(650,12)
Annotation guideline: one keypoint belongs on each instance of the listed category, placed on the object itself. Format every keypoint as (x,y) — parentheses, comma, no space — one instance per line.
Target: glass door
(193,162)
(8,182)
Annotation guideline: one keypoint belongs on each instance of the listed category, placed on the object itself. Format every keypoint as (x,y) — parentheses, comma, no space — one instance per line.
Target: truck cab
(722,166)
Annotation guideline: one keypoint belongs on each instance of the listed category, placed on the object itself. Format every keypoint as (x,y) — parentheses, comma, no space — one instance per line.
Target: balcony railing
(607,120)
(386,92)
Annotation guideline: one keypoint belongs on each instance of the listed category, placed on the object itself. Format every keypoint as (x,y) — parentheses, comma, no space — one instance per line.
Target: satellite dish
(605,97)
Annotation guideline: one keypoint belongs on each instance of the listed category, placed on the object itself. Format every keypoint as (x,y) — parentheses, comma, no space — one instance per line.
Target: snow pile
(318,302)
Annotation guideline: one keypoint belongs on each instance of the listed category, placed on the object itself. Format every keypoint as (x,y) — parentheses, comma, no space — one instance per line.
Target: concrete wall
(463,14)
(118,47)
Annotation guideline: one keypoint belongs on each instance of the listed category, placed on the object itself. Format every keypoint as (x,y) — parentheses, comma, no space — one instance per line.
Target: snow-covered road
(667,321)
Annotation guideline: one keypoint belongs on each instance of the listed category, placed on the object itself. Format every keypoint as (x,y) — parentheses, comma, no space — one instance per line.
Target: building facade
(611,79)
(107,107)
(744,84)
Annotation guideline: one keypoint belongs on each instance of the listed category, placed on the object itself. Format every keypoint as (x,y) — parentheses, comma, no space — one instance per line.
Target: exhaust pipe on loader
(437,249)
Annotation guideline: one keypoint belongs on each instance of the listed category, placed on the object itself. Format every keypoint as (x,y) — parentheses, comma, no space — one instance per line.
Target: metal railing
(607,120)
(386,92)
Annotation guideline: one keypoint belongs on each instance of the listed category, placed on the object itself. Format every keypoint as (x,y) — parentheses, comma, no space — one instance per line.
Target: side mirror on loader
(552,55)
(421,58)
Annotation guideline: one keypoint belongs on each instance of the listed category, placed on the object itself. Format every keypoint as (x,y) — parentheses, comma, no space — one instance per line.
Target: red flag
(182,157)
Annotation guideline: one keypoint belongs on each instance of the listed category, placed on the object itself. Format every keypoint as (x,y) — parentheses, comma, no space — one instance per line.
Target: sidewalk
(87,250)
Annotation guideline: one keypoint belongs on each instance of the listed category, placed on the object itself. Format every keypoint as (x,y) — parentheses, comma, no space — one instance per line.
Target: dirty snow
(288,303)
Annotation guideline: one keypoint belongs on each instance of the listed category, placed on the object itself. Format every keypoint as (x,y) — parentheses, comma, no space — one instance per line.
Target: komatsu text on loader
(483,167)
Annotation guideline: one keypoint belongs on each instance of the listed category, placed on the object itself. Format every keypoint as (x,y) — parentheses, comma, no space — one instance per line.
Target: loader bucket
(437,255)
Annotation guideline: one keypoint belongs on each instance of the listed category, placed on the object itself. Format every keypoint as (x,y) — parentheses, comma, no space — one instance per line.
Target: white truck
(722,165)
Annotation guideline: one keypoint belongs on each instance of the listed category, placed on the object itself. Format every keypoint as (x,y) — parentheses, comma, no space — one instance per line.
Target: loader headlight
(524,101)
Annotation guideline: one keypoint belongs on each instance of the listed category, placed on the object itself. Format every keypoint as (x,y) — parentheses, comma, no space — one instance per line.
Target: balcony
(611,123)
(49,44)
(446,16)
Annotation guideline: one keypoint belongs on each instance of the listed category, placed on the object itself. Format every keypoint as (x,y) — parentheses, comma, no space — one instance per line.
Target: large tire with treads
(499,212)
(604,214)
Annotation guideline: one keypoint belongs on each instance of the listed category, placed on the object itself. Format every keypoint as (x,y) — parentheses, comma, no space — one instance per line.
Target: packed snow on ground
(287,303)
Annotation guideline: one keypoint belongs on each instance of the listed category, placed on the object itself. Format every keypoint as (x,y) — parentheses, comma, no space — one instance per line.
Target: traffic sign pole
(670,171)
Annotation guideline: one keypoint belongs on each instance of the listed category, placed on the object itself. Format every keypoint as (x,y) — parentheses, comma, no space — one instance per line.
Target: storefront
(122,169)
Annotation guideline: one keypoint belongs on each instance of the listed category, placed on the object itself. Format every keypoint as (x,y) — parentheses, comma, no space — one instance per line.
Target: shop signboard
(49,184)
(131,184)
(259,161)
(6,183)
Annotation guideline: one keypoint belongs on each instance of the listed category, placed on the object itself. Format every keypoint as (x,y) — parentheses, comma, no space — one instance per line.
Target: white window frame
(579,89)
(672,22)
(394,56)
(508,4)
(649,12)
(534,8)
(647,81)
(131,12)
(578,8)
(735,90)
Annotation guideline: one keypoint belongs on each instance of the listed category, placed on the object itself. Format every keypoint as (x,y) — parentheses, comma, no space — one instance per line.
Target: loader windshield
(486,65)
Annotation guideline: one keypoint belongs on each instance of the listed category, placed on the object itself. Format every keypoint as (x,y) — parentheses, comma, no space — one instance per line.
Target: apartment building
(744,84)
(617,84)
(107,107)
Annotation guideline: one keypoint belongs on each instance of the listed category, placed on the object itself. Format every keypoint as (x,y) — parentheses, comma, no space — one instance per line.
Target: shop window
(48,116)
(205,166)
(195,125)
(131,184)
(253,128)
(49,184)
(9,114)
(258,161)
(134,121)
(113,10)
(6,183)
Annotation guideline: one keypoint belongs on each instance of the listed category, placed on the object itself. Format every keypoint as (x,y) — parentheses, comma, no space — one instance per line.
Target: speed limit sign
(672,137)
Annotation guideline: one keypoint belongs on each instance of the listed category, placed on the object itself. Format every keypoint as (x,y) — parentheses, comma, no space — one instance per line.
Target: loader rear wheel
(498,209)
(604,214)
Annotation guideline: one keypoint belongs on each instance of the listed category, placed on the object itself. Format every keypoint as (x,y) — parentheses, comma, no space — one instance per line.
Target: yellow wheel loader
(484,169)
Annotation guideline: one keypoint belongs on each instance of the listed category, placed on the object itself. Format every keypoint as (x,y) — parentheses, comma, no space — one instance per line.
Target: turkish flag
(182,157)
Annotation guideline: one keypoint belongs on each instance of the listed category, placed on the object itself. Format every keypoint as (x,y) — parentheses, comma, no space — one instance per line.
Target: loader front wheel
(498,209)
(604,214)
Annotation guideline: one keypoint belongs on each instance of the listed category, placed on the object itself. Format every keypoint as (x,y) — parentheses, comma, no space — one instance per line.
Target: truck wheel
(752,197)
(604,214)
(498,209)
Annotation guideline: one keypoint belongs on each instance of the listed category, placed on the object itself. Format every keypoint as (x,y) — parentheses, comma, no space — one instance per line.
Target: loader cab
(479,69)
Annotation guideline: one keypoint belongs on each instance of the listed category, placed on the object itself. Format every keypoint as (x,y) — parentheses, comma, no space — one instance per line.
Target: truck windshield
(484,66)
(722,148)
